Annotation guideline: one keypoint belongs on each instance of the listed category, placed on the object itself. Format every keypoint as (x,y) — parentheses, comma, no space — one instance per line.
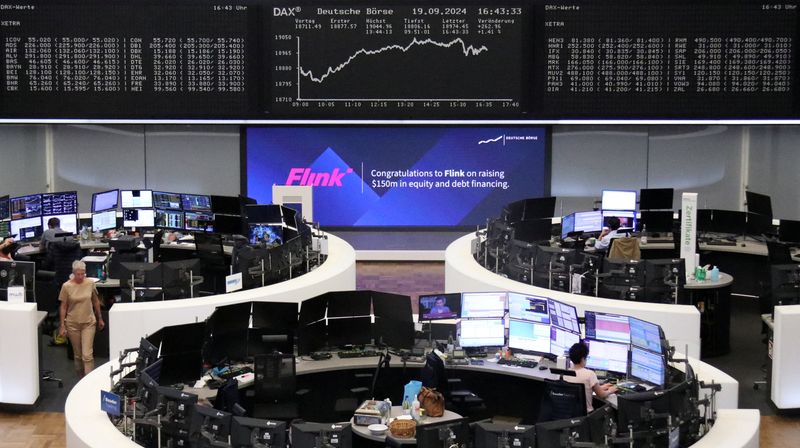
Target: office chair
(212,259)
(779,253)
(276,394)
(562,400)
(463,401)
(624,247)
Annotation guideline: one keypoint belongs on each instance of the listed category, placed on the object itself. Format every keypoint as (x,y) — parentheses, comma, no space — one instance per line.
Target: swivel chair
(276,393)
(212,260)
(562,400)
(463,401)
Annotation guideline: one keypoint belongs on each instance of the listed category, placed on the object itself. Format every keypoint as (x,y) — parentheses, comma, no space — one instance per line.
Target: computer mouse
(639,388)
(542,367)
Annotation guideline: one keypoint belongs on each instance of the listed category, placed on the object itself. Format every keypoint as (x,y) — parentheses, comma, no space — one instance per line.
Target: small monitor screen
(104,220)
(24,207)
(265,233)
(5,228)
(106,200)
(589,222)
(196,202)
(169,219)
(5,211)
(789,231)
(618,200)
(481,333)
(226,205)
(645,334)
(136,198)
(530,308)
(63,203)
(562,340)
(134,217)
(608,327)
(728,221)
(627,220)
(647,366)
(528,336)
(27,229)
(68,222)
(567,225)
(167,201)
(439,306)
(656,198)
(199,221)
(758,203)
(609,356)
(660,221)
(563,315)
(483,304)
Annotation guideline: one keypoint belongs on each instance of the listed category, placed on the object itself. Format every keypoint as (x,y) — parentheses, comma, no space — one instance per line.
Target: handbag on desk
(432,401)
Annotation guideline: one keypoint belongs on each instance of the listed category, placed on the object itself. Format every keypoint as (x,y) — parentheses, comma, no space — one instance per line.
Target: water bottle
(715,274)
(643,238)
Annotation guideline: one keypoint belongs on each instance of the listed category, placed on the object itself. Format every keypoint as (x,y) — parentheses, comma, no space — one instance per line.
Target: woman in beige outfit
(80,317)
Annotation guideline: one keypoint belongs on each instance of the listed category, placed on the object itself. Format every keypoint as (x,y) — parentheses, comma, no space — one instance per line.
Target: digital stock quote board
(531,59)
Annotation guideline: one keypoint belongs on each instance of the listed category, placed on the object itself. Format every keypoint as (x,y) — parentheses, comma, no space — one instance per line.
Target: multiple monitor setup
(29,215)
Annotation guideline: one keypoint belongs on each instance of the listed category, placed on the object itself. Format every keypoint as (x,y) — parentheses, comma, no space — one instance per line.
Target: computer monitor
(494,435)
(483,304)
(759,204)
(529,336)
(656,198)
(785,284)
(589,222)
(196,202)
(249,432)
(311,337)
(209,425)
(138,217)
(229,225)
(5,208)
(567,225)
(226,205)
(704,220)
(167,201)
(264,341)
(264,214)
(393,306)
(608,356)
(177,277)
(104,220)
(5,229)
(530,209)
(289,217)
(528,307)
(662,272)
(349,303)
(27,229)
(481,333)
(534,230)
(136,198)
(759,225)
(624,272)
(656,221)
(268,234)
(563,315)
(18,273)
(67,222)
(181,406)
(645,334)
(169,219)
(648,366)
(275,315)
(627,219)
(394,333)
(147,390)
(562,340)
(450,433)
(148,275)
(105,200)
(349,330)
(618,200)
(728,221)
(23,207)
(318,435)
(439,306)
(647,414)
(313,309)
(564,432)
(789,231)
(608,327)
(198,221)
(61,203)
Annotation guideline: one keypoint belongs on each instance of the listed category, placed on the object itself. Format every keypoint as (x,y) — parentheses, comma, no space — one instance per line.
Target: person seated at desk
(577,355)
(7,247)
(49,235)
(608,233)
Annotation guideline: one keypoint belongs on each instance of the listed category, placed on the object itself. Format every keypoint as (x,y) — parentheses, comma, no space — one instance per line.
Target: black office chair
(276,394)
(562,400)
(462,401)
(212,259)
(779,253)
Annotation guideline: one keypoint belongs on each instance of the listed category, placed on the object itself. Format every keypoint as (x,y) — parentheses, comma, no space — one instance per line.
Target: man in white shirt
(608,233)
(578,354)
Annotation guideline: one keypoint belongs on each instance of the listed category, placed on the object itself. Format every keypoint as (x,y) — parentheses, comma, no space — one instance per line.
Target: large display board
(269,59)
(400,176)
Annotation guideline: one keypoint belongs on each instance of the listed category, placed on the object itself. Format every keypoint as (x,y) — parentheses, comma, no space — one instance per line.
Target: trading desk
(89,427)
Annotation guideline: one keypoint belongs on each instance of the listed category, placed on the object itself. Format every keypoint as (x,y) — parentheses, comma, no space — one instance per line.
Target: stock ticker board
(258,59)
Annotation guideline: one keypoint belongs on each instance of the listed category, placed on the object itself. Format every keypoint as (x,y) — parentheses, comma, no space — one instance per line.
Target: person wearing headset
(608,233)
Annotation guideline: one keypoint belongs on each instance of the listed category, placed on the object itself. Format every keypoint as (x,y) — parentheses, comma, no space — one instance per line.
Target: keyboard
(357,353)
(721,243)
(458,361)
(517,362)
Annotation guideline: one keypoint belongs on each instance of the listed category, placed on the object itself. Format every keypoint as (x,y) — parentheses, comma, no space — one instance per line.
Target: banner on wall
(689,231)
(400,176)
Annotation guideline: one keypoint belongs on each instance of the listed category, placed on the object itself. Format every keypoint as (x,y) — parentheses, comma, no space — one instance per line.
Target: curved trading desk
(681,323)
(128,322)
(89,427)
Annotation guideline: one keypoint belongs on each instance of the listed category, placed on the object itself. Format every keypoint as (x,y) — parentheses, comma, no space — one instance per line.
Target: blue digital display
(400,176)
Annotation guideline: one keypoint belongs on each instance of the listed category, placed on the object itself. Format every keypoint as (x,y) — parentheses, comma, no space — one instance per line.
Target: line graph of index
(397,63)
